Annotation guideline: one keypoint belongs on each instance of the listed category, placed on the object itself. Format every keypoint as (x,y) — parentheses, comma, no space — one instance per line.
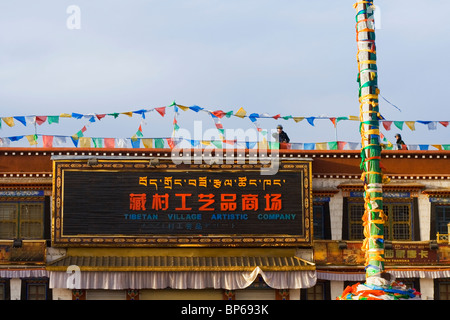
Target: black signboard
(132,203)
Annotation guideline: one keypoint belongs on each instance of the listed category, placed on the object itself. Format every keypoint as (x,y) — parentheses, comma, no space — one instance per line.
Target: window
(321,291)
(24,220)
(4,289)
(442,289)
(442,213)
(399,225)
(35,289)
(321,221)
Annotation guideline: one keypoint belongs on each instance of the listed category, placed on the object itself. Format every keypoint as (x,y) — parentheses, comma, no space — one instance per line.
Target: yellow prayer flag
(437,146)
(32,139)
(298,119)
(206,143)
(148,143)
(411,125)
(85,142)
(130,114)
(241,113)
(321,146)
(9,121)
(65,115)
(263,145)
(355,118)
(184,108)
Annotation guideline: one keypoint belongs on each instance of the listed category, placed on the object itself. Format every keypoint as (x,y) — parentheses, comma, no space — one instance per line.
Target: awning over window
(159,272)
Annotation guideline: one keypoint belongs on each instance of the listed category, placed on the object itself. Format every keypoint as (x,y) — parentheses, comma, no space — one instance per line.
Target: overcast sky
(279,57)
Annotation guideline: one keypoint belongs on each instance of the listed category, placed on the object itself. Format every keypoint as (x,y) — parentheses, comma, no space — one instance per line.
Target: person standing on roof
(400,143)
(281,135)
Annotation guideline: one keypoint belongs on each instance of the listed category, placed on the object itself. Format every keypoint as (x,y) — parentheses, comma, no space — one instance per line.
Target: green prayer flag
(333,145)
(217,143)
(274,145)
(159,143)
(53,119)
(399,124)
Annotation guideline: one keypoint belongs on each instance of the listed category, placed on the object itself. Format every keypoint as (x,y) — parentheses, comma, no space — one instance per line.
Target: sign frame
(120,164)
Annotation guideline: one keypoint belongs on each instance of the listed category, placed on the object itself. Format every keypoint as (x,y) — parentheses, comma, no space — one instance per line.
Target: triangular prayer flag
(298,119)
(75,140)
(115,115)
(85,142)
(250,145)
(333,120)
(184,108)
(65,115)
(148,143)
(98,142)
(77,115)
(321,146)
(9,121)
(387,125)
(121,143)
(218,113)
(47,141)
(15,138)
(309,146)
(141,112)
(229,114)
(31,119)
(341,145)
(100,116)
(21,120)
(332,145)
(437,146)
(136,143)
(399,124)
(206,143)
(446,146)
(32,139)
(353,118)
(241,113)
(58,140)
(217,144)
(444,123)
(276,117)
(423,146)
(195,108)
(353,145)
(253,117)
(129,113)
(411,125)
(432,125)
(311,120)
(41,119)
(161,111)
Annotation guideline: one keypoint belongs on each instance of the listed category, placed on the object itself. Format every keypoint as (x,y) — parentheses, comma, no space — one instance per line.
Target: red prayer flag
(40,119)
(161,111)
(387,125)
(109,142)
(47,141)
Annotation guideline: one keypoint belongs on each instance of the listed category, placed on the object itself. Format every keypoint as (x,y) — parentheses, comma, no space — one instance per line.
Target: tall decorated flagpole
(373,218)
(379,285)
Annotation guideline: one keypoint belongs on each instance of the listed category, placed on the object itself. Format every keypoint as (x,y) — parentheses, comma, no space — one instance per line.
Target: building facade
(39,261)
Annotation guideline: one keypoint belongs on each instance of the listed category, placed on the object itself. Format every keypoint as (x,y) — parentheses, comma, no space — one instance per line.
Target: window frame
(44,219)
(388,204)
